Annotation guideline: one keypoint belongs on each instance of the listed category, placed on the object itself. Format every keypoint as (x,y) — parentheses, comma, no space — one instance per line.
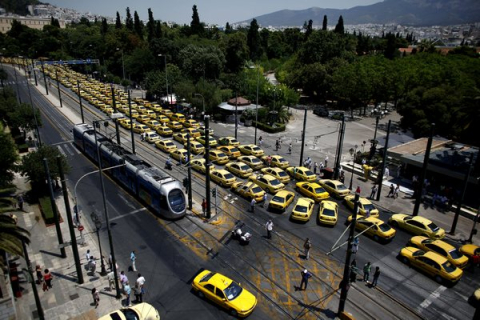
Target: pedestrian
(204,206)
(260,141)
(392,191)
(269,227)
(290,148)
(47,278)
(326,161)
(386,173)
(96,297)
(88,255)
(269,160)
(358,190)
(265,198)
(38,270)
(342,177)
(353,271)
(374,191)
(133,258)
(20,202)
(375,276)
(366,271)
(367,213)
(110,262)
(277,145)
(111,280)
(307,246)
(315,165)
(305,276)
(127,290)
(142,136)
(139,288)
(123,278)
(92,265)
(395,192)
(356,242)
(252,205)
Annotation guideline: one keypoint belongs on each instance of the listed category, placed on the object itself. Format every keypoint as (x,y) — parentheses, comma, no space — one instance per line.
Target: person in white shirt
(139,289)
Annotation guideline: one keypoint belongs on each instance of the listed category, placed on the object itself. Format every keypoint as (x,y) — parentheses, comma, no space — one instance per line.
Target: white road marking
(61,151)
(128,214)
(429,300)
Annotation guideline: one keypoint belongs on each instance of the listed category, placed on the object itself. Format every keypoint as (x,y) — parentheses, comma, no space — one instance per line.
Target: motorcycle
(168,166)
(242,237)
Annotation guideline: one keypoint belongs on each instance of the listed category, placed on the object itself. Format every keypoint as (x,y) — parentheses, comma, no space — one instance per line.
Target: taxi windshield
(384,227)
(369,207)
(232,291)
(228,176)
(341,187)
(455,254)
(256,190)
(244,167)
(274,182)
(433,227)
(449,267)
(319,190)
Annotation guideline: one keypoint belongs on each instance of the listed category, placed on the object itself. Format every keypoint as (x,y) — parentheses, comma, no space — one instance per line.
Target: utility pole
(41,316)
(419,192)
(44,79)
(464,190)
(236,111)
(346,271)
(114,106)
(80,100)
(207,165)
(338,154)
(303,137)
(73,237)
(131,122)
(58,87)
(384,163)
(54,209)
(189,174)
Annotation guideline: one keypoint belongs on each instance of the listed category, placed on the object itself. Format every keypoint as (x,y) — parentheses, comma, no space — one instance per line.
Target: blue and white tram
(159,191)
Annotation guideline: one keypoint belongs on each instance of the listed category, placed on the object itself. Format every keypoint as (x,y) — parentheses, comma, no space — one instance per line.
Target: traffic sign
(80,228)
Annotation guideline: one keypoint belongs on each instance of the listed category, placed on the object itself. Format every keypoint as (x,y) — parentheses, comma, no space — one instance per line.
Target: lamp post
(123,63)
(203,101)
(256,104)
(98,226)
(353,153)
(166,75)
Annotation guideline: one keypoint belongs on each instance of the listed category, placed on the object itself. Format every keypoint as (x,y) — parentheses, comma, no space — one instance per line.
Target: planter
(248,123)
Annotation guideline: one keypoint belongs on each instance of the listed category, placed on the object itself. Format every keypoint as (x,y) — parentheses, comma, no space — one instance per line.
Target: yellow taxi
(231,151)
(252,161)
(194,133)
(140,311)
(164,131)
(212,141)
(228,141)
(301,174)
(278,173)
(179,117)
(248,190)
(122,108)
(180,137)
(151,114)
(239,169)
(153,124)
(251,150)
(166,145)
(151,137)
(442,248)
(134,114)
(178,154)
(432,264)
(312,190)
(303,209)
(156,107)
(328,213)
(143,118)
(126,123)
(225,292)
(417,225)
(218,156)
(140,128)
(276,161)
(202,130)
(335,188)
(267,182)
(195,146)
(377,229)
(167,113)
(141,109)
(190,123)
(281,200)
(364,205)
(174,125)
(222,177)
(108,111)
(163,119)
(199,165)
(470,250)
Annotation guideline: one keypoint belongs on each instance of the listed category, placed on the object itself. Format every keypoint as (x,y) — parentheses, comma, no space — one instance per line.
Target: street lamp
(256,104)
(98,226)
(166,74)
(123,63)
(203,101)
(353,153)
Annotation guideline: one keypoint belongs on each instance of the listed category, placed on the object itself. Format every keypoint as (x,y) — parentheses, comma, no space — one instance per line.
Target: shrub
(278,127)
(47,211)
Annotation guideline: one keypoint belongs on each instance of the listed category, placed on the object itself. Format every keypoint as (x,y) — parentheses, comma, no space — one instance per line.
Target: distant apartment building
(31,22)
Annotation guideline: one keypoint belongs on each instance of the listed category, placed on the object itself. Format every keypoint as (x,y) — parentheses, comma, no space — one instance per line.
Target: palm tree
(11,237)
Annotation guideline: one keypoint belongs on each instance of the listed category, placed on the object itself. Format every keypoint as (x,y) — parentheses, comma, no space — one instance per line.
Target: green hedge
(47,211)
(280,127)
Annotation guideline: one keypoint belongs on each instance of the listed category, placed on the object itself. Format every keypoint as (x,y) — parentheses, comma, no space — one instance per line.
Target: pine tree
(253,40)
(196,26)
(228,28)
(138,24)
(118,22)
(104,27)
(309,29)
(324,27)
(129,20)
(150,26)
(339,28)
(158,29)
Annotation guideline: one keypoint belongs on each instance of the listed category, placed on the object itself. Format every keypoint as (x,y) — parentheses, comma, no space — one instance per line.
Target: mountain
(403,12)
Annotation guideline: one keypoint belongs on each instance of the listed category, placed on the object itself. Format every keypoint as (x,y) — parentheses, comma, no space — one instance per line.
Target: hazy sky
(210,11)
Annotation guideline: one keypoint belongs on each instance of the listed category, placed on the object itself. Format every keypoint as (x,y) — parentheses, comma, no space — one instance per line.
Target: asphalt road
(169,264)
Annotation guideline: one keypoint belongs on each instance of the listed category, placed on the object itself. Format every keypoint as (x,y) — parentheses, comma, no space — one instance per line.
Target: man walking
(366,271)
(20,202)
(139,290)
(265,198)
(374,191)
(315,165)
(307,246)
(353,271)
(123,279)
(269,227)
(392,191)
(375,276)
(127,290)
(204,206)
(305,276)
(133,258)
(290,148)
(252,205)
(326,162)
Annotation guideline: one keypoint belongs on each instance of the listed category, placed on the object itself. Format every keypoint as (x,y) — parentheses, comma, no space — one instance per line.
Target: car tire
(438,279)
(405,260)
(376,238)
(394,224)
(200,294)
(233,312)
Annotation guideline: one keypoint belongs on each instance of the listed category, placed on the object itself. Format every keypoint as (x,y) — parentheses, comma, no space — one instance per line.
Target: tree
(118,22)
(150,26)
(129,20)
(8,159)
(309,29)
(104,28)
(138,25)
(236,52)
(325,22)
(339,28)
(11,237)
(196,27)
(253,41)
(228,28)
